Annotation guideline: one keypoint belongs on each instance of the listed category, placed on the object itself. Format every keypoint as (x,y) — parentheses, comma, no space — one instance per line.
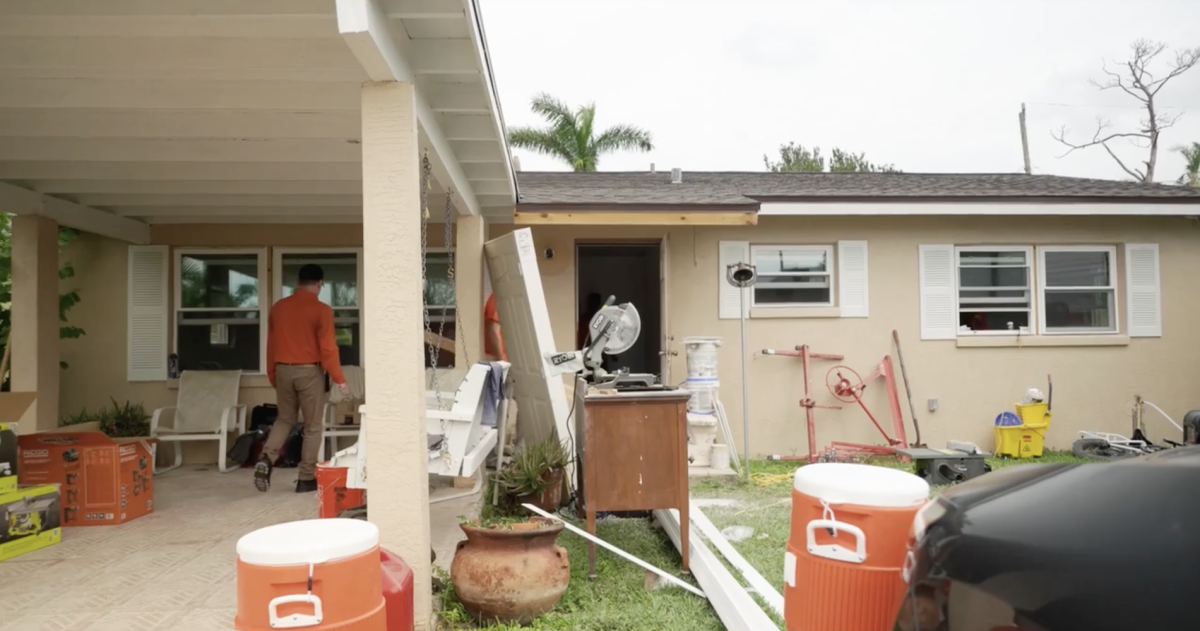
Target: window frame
(1114,285)
(177,296)
(830,267)
(1028,250)
(277,254)
(435,310)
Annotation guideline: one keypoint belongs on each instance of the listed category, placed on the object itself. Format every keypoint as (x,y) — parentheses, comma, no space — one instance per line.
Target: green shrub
(119,421)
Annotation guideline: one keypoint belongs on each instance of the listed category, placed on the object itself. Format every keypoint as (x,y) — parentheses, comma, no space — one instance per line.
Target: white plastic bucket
(720,457)
(701,357)
(702,401)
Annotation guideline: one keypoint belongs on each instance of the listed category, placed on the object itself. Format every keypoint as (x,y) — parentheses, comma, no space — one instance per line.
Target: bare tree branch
(1139,81)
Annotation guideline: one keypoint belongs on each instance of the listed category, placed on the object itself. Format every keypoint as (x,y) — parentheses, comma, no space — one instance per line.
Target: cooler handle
(297,619)
(832,550)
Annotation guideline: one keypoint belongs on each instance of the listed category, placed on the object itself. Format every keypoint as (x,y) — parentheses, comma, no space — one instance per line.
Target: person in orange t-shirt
(493,340)
(301,350)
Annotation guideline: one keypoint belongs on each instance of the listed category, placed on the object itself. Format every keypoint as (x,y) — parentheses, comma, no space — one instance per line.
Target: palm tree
(1191,174)
(571,137)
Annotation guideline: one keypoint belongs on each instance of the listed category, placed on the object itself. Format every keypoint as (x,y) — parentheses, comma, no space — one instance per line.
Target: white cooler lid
(861,484)
(308,541)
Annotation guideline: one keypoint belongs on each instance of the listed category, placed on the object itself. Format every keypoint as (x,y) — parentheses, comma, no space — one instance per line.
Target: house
(207,148)
(992,282)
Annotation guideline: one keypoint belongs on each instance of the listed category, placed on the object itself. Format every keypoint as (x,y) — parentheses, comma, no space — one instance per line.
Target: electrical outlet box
(933,405)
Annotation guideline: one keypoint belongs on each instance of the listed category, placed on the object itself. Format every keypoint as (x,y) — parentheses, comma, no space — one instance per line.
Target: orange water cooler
(317,574)
(848,541)
(333,494)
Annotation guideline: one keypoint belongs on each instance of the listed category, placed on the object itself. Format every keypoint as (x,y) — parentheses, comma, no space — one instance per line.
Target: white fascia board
(364,26)
(19,201)
(493,94)
(1013,208)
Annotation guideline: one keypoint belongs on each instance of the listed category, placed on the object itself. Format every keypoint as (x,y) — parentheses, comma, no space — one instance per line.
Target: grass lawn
(766,507)
(617,599)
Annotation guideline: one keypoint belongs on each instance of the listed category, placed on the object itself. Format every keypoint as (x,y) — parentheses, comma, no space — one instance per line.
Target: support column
(34,331)
(395,419)
(468,289)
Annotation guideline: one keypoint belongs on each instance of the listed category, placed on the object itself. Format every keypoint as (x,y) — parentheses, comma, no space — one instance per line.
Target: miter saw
(613,330)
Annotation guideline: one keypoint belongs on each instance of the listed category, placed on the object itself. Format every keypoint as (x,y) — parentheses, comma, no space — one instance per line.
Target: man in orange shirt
(301,349)
(493,341)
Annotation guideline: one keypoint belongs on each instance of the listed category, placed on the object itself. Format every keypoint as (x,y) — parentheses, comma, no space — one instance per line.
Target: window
(220,323)
(793,276)
(1078,289)
(340,291)
(994,289)
(439,297)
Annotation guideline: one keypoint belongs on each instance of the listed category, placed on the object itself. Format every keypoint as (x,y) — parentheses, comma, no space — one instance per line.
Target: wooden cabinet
(632,455)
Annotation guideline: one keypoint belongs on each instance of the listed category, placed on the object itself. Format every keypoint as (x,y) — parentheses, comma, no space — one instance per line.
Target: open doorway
(629,271)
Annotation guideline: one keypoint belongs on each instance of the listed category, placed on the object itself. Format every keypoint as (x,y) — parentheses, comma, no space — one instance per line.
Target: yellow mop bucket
(1024,435)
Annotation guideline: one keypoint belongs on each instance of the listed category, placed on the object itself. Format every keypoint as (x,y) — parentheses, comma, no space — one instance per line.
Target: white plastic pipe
(1164,414)
(621,553)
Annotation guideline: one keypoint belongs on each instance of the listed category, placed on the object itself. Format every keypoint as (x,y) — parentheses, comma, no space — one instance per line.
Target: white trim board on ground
(733,604)
(761,586)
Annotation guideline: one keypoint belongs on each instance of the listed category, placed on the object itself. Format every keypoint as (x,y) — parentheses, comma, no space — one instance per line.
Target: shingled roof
(747,190)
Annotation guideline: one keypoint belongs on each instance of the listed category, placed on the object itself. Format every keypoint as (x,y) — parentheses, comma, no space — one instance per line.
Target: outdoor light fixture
(743,276)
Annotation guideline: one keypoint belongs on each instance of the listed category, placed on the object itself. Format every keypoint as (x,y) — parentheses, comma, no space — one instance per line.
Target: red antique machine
(847,386)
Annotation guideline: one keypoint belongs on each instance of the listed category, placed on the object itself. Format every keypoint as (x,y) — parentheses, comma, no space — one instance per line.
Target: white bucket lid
(308,541)
(861,484)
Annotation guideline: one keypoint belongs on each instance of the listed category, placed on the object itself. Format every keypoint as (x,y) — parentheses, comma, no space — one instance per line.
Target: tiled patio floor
(172,569)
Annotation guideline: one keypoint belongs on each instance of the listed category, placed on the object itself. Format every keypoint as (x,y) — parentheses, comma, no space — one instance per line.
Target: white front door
(541,401)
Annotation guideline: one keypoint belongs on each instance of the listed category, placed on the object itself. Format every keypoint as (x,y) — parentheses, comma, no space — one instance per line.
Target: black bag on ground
(243,448)
(263,416)
(292,451)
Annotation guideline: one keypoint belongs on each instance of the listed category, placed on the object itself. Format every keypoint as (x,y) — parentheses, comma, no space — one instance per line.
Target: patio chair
(332,429)
(207,408)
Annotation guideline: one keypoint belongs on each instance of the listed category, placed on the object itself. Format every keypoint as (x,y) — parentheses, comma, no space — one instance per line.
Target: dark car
(1061,547)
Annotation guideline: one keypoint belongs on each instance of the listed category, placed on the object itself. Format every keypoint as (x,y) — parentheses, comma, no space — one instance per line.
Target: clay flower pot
(550,497)
(514,574)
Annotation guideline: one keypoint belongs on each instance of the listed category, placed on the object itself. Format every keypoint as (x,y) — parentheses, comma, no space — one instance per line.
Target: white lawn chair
(207,409)
(458,427)
(465,442)
(332,429)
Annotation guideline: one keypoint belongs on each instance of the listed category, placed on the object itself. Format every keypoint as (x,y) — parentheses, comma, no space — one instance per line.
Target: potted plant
(535,474)
(510,569)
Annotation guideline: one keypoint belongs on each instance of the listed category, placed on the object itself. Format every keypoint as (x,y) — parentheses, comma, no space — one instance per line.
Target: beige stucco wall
(97,361)
(1094,386)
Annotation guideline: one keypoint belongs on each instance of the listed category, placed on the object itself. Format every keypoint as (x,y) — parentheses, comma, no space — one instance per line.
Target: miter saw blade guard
(613,330)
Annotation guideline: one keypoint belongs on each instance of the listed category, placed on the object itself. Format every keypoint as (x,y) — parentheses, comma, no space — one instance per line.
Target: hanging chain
(449,243)
(435,350)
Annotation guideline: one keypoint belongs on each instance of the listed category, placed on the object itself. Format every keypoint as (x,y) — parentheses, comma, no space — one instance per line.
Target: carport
(141,119)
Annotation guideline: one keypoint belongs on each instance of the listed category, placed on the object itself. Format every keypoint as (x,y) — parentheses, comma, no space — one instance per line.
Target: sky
(931,87)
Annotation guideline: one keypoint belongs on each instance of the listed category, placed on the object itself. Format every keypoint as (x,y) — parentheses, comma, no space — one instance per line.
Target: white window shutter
(147,312)
(1142,284)
(852,278)
(939,297)
(729,297)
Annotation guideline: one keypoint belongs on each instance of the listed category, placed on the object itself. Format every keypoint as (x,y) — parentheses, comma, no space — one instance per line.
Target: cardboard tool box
(29,519)
(13,406)
(105,481)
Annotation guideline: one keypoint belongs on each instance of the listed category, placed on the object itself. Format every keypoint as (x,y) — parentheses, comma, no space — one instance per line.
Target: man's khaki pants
(299,390)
